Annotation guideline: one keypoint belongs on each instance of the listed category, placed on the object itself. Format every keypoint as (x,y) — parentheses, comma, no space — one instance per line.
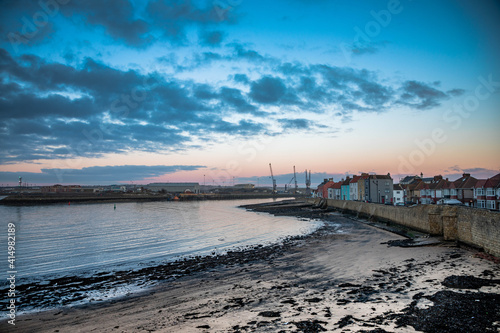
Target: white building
(353,188)
(398,194)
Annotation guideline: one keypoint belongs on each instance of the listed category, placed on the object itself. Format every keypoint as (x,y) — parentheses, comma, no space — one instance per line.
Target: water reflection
(62,239)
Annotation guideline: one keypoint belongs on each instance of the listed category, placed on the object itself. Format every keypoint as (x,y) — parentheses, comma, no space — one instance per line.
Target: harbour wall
(475,227)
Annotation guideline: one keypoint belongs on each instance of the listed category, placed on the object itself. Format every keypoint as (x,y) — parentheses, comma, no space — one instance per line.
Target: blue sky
(191,90)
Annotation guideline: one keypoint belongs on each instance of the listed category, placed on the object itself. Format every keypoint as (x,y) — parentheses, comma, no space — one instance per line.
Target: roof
(466,181)
(442,184)
(480,183)
(346,182)
(337,185)
(493,182)
(420,186)
(412,185)
(355,179)
(322,183)
(408,179)
(380,177)
(329,184)
(397,187)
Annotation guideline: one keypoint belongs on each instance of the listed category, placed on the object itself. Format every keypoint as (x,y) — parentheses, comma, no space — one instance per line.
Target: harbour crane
(272,177)
(308,182)
(295,177)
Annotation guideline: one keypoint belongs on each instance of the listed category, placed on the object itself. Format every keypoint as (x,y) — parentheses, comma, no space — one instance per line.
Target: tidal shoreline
(342,277)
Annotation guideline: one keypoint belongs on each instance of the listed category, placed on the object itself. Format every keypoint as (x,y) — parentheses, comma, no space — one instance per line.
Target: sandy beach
(348,282)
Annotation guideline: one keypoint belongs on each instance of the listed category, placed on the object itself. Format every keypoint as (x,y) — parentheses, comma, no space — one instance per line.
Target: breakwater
(471,226)
(54,198)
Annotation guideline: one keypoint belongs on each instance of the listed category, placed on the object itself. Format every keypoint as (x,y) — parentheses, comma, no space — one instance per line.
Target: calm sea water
(60,240)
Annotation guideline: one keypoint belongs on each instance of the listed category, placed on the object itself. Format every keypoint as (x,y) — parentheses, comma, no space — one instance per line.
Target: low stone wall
(475,227)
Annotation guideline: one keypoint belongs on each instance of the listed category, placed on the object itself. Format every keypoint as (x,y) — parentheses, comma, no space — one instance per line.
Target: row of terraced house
(472,192)
(365,187)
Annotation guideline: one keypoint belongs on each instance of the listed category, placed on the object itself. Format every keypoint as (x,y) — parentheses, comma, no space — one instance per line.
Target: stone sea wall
(475,227)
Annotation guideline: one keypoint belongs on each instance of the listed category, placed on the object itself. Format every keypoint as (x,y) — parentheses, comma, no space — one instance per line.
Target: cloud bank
(103,175)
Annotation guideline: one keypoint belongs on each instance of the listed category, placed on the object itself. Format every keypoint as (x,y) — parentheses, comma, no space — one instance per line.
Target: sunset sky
(123,91)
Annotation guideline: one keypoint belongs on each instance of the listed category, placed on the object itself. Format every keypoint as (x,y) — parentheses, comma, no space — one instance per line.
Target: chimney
(466,175)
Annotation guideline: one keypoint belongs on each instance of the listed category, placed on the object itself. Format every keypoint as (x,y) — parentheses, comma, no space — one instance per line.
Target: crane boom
(295,177)
(308,182)
(272,177)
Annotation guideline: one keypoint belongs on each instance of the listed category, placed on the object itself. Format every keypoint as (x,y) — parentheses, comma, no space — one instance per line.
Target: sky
(128,91)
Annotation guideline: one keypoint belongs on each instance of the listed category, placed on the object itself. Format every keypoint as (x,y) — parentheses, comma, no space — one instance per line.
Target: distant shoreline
(78,198)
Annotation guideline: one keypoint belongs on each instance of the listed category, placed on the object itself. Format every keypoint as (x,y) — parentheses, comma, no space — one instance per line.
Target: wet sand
(348,282)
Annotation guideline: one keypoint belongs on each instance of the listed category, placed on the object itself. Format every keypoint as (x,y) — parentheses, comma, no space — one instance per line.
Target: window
(481,204)
(490,192)
(386,183)
(453,191)
(491,204)
(446,192)
(480,191)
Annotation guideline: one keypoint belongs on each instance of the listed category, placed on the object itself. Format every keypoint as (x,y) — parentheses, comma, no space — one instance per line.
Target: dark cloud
(300,124)
(240,51)
(30,106)
(243,127)
(205,59)
(204,91)
(25,22)
(93,77)
(456,92)
(363,48)
(93,110)
(420,95)
(52,110)
(116,16)
(102,175)
(455,172)
(481,170)
(235,98)
(292,69)
(241,78)
(268,90)
(171,17)
(212,38)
